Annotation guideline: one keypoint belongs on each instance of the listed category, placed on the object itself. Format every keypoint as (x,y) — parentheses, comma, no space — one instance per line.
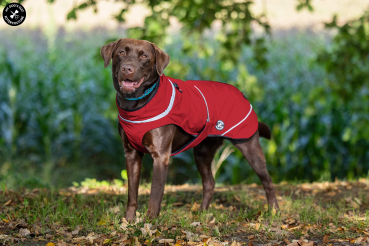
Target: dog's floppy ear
(107,51)
(162,59)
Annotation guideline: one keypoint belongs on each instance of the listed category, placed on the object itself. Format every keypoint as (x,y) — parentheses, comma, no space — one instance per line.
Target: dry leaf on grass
(166,241)
(311,243)
(325,239)
(90,238)
(361,240)
(177,204)
(332,193)
(50,244)
(195,224)
(195,207)
(7,203)
(191,237)
(124,224)
(286,241)
(234,243)
(114,210)
(24,232)
(293,244)
(147,230)
(78,228)
(61,243)
(212,223)
(256,226)
(3,236)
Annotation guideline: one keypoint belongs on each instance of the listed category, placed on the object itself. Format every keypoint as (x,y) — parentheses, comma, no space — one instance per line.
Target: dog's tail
(264,130)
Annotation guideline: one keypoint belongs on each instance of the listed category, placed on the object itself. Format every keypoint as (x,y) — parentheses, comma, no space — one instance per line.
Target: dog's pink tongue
(129,83)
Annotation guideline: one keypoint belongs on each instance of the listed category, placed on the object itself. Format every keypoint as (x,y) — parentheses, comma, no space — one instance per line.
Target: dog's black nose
(128,69)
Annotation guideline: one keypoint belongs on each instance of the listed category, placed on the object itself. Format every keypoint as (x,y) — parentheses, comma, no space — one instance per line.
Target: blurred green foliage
(55,110)
(58,119)
(234,19)
(347,65)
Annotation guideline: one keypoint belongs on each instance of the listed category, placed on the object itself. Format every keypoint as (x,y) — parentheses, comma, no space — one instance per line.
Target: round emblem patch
(220,125)
(14,14)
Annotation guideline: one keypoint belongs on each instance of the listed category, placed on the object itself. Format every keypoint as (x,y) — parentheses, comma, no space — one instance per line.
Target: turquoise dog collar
(147,92)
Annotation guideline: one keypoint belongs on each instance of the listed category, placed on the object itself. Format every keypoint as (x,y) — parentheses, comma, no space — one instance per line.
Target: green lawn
(310,213)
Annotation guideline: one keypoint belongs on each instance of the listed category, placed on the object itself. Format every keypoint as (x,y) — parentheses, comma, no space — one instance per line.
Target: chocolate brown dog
(137,65)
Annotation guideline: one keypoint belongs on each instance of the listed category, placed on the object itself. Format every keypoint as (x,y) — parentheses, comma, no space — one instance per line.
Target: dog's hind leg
(252,151)
(204,154)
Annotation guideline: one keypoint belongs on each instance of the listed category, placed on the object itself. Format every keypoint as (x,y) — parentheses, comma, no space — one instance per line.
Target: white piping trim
(160,115)
(239,122)
(207,109)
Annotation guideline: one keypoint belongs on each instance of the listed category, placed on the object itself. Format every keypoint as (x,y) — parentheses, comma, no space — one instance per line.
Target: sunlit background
(307,80)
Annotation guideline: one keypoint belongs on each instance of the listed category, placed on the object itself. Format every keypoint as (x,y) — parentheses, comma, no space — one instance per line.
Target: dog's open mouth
(129,85)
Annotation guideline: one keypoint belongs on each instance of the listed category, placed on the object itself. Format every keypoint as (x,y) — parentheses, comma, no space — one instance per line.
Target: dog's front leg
(159,144)
(133,165)
(159,176)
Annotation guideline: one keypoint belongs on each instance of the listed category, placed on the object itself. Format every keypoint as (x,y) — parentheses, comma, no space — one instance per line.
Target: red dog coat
(200,108)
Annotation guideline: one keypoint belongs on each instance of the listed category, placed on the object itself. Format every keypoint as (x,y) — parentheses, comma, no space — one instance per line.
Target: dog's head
(135,63)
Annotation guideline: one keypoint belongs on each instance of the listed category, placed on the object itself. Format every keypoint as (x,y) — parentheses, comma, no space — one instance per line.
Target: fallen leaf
(325,239)
(7,203)
(124,224)
(311,243)
(286,241)
(250,237)
(61,243)
(290,221)
(90,237)
(360,239)
(332,193)
(204,238)
(114,210)
(191,237)
(284,227)
(107,241)
(166,241)
(255,225)
(195,207)
(212,223)
(24,232)
(195,224)
(101,222)
(177,204)
(147,230)
(3,236)
(78,228)
(50,244)
(357,200)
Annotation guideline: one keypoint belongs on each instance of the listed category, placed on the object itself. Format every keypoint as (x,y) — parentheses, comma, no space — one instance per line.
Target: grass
(319,212)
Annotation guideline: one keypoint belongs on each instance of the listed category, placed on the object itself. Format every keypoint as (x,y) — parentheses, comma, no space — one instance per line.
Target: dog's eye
(144,56)
(122,53)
